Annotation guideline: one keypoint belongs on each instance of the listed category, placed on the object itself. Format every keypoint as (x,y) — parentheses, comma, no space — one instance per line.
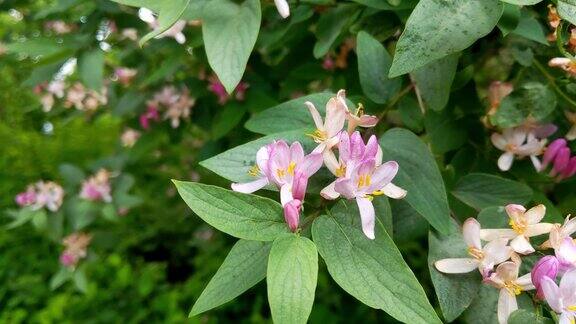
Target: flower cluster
(359,170)
(175,104)
(558,155)
(43,194)
(499,260)
(217,88)
(97,187)
(125,75)
(76,96)
(76,245)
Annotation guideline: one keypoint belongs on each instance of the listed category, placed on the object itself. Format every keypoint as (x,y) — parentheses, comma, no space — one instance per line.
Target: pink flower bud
(561,161)
(68,259)
(570,170)
(292,214)
(299,185)
(552,151)
(26,198)
(545,267)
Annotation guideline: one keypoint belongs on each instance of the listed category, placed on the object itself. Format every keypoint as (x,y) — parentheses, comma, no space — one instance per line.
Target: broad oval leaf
(168,14)
(244,267)
(532,99)
(455,292)
(480,190)
(373,66)
(330,25)
(230,31)
(438,28)
(291,278)
(91,69)
(419,175)
(289,115)
(523,316)
(567,10)
(373,271)
(244,216)
(434,81)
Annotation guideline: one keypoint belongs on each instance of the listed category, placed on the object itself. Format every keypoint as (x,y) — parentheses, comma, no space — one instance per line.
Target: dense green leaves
(531,99)
(481,190)
(373,66)
(429,35)
(455,292)
(419,175)
(291,278)
(330,25)
(434,81)
(244,267)
(91,69)
(244,216)
(230,31)
(373,271)
(168,14)
(567,10)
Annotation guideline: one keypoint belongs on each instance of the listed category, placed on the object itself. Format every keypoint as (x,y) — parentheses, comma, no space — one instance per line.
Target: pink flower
(562,299)
(129,137)
(26,198)
(328,63)
(49,195)
(150,114)
(552,151)
(76,245)
(292,214)
(482,258)
(559,233)
(566,64)
(327,132)
(566,254)
(216,87)
(545,267)
(97,188)
(240,91)
(125,75)
(558,153)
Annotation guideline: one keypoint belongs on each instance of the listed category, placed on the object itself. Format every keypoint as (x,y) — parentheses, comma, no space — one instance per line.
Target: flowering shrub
(396,146)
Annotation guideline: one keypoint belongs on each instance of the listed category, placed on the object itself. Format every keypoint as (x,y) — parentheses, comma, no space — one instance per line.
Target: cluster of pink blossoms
(175,104)
(500,258)
(97,187)
(217,88)
(43,194)
(76,96)
(558,155)
(75,249)
(360,173)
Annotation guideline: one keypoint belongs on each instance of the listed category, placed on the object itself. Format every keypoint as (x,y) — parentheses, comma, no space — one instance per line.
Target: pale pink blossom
(524,224)
(130,137)
(97,187)
(517,142)
(562,298)
(545,267)
(560,232)
(566,254)
(357,118)
(328,130)
(217,88)
(564,63)
(130,33)
(506,279)
(43,194)
(76,246)
(483,258)
(59,27)
(180,109)
(26,198)
(125,75)
(151,114)
(496,92)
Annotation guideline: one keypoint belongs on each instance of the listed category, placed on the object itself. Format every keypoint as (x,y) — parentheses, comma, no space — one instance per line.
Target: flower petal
(335,117)
(568,287)
(539,229)
(456,265)
(497,251)
(368,121)
(250,187)
(286,194)
(393,191)
(346,187)
(344,147)
(521,245)
(499,141)
(283,8)
(296,153)
(330,161)
(506,305)
(367,215)
(383,175)
(292,214)
(329,193)
(505,161)
(310,164)
(552,294)
(315,115)
(535,214)
(494,234)
(471,233)
(525,282)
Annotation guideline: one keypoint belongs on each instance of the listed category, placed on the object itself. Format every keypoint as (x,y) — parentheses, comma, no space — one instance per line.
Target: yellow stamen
(341,171)
(518,227)
(360,110)
(476,253)
(363,180)
(377,193)
(280,173)
(571,308)
(254,171)
(291,168)
(318,136)
(513,288)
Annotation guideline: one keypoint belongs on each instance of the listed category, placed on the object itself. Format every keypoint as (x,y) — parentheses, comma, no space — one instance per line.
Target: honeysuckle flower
(566,254)
(175,31)
(82,99)
(563,165)
(292,214)
(284,166)
(359,119)
(564,63)
(26,198)
(129,137)
(559,233)
(517,142)
(552,151)
(482,258)
(506,279)
(327,131)
(180,108)
(524,223)
(562,299)
(571,116)
(545,267)
(125,75)
(365,181)
(76,245)
(283,8)
(554,21)
(538,129)
(97,187)
(49,194)
(328,63)
(150,114)
(496,92)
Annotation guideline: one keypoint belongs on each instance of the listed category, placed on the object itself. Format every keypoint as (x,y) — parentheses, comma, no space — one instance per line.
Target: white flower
(517,142)
(283,8)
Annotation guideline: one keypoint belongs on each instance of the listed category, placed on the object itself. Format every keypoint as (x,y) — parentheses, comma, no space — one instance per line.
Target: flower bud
(545,267)
(292,214)
(552,151)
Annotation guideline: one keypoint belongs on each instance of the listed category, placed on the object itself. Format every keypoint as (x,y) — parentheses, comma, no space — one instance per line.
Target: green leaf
(444,131)
(530,28)
(434,81)
(384,214)
(38,47)
(330,25)
(419,175)
(373,271)
(455,292)
(91,69)
(373,66)
(227,119)
(243,268)
(244,216)
(291,278)
(60,277)
(567,10)
(523,316)
(429,35)
(493,217)
(532,99)
(510,18)
(289,115)
(480,190)
(58,7)
(168,14)
(71,174)
(230,31)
